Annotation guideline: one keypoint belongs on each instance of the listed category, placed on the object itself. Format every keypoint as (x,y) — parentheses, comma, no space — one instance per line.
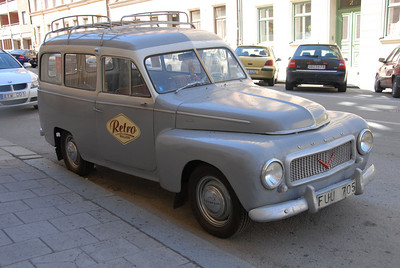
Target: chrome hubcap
(214,201)
(72,151)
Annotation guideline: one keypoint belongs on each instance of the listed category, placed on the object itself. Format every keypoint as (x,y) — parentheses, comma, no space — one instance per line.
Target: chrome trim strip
(215,117)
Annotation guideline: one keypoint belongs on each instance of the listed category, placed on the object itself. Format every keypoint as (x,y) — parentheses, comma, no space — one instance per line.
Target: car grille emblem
(326,165)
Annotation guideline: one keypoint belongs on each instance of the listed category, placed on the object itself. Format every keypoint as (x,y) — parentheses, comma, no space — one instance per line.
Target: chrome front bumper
(309,200)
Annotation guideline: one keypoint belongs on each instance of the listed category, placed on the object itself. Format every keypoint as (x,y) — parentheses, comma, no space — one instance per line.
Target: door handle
(97,110)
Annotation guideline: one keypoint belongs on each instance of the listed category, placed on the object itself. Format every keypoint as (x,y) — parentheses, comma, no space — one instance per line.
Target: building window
(195,18)
(220,21)
(24,18)
(393,15)
(266,24)
(302,21)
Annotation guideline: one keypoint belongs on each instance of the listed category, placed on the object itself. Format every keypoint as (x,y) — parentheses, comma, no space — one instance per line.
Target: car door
(387,69)
(124,121)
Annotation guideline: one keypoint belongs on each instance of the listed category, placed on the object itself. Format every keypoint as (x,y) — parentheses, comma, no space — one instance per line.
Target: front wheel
(377,85)
(72,157)
(215,204)
(395,88)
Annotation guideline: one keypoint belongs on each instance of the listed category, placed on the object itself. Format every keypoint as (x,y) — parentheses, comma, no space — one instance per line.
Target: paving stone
(23,264)
(75,221)
(111,249)
(51,190)
(79,207)
(39,214)
(143,241)
(45,201)
(3,189)
(23,175)
(18,195)
(69,240)
(111,230)
(22,251)
(72,197)
(22,185)
(68,258)
(120,263)
(6,179)
(31,230)
(4,240)
(9,220)
(103,215)
(14,206)
(157,258)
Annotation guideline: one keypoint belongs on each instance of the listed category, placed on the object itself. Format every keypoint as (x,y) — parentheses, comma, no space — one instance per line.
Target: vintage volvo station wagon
(169,103)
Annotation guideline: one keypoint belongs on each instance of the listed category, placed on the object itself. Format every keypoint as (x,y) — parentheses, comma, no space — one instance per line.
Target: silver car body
(18,86)
(235,126)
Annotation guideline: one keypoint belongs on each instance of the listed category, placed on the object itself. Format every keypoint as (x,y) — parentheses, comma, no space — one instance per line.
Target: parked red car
(388,75)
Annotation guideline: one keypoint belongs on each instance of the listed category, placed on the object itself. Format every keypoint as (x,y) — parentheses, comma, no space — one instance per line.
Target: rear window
(50,68)
(252,51)
(318,52)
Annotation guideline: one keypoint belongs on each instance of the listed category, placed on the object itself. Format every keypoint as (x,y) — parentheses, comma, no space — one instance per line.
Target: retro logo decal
(123,129)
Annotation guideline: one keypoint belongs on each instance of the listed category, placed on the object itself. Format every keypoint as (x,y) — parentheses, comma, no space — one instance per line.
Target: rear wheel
(342,87)
(377,85)
(215,204)
(270,82)
(72,157)
(289,86)
(395,88)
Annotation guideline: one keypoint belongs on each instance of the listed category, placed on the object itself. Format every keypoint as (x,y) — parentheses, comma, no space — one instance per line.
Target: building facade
(364,29)
(15,25)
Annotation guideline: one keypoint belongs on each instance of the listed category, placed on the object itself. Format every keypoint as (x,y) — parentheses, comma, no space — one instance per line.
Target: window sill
(390,40)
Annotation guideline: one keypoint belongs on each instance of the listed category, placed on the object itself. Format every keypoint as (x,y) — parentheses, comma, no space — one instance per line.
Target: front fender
(239,158)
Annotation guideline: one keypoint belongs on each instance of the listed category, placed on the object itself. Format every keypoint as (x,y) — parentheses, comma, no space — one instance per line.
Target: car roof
(133,38)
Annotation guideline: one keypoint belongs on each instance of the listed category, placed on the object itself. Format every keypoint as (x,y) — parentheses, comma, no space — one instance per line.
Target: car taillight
(292,64)
(342,65)
(269,63)
(21,56)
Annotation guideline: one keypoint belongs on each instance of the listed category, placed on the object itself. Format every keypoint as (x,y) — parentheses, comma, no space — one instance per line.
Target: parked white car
(18,86)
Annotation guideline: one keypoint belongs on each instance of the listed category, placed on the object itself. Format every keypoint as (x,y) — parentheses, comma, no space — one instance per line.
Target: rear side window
(80,71)
(122,77)
(50,68)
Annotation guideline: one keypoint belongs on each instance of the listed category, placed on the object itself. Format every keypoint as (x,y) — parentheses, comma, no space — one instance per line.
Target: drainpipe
(239,38)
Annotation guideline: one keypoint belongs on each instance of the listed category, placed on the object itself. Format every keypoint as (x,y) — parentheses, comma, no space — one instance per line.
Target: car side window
(50,69)
(121,76)
(80,71)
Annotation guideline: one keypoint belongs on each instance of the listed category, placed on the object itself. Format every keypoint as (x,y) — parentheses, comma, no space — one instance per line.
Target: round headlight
(365,141)
(272,174)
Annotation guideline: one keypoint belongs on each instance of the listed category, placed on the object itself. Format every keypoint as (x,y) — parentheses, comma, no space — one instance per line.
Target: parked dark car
(388,75)
(25,55)
(317,64)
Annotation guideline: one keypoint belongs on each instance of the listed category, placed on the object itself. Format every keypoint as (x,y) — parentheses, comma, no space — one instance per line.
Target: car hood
(252,109)
(16,76)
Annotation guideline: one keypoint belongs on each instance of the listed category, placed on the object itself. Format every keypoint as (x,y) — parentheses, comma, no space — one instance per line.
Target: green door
(349,36)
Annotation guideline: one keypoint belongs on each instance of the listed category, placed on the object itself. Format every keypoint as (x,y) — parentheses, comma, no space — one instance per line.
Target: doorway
(348,31)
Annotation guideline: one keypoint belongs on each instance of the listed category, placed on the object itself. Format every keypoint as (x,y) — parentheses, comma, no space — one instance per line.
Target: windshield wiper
(194,84)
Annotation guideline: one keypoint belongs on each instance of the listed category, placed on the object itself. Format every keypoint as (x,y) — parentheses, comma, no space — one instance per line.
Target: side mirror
(381,60)
(278,59)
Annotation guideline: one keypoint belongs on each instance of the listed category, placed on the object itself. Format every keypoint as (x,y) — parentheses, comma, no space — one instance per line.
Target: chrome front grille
(304,167)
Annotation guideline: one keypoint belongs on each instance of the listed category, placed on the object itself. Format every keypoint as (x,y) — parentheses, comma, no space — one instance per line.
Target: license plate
(251,71)
(316,67)
(337,194)
(15,95)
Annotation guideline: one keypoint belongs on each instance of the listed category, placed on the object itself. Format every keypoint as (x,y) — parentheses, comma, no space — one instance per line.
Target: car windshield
(318,51)
(252,51)
(180,70)
(8,62)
